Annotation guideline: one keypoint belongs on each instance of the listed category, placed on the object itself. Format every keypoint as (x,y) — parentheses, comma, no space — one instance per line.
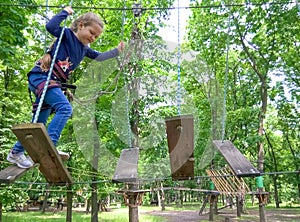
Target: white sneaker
(20,159)
(64,156)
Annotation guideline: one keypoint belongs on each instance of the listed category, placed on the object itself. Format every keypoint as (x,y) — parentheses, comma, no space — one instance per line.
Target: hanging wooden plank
(180,136)
(12,173)
(127,167)
(239,164)
(36,141)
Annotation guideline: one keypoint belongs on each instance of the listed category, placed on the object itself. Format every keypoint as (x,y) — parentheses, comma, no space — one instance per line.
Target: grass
(121,214)
(115,216)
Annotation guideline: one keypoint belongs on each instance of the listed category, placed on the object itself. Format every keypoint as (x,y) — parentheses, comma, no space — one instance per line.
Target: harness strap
(52,84)
(44,107)
(59,73)
(39,90)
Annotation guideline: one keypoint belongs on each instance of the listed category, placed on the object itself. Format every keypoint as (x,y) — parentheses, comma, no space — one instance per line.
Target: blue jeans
(58,103)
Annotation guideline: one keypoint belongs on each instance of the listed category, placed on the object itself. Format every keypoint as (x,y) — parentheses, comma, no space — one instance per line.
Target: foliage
(224,94)
(77,217)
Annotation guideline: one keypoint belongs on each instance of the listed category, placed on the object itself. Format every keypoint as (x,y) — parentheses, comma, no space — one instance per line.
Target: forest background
(239,77)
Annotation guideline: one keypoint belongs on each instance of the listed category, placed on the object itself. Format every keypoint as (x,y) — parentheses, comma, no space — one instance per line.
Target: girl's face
(88,34)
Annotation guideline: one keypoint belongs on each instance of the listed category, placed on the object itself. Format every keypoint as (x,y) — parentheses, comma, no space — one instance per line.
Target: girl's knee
(65,109)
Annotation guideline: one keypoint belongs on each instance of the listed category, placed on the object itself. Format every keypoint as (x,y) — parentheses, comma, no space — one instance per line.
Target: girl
(73,48)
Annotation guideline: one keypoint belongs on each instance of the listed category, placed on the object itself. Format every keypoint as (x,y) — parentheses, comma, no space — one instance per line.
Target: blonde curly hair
(86,19)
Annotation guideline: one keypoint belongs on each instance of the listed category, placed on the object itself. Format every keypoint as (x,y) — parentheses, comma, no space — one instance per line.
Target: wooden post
(262,199)
(133,207)
(212,205)
(69,203)
(238,206)
(211,208)
(94,203)
(45,201)
(204,204)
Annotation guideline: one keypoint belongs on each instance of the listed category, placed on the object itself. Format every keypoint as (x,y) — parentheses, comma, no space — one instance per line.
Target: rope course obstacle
(36,141)
(180,129)
(239,166)
(180,135)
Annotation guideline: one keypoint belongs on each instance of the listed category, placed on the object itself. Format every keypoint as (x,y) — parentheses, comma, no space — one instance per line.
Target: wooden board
(180,135)
(11,173)
(127,167)
(240,165)
(35,139)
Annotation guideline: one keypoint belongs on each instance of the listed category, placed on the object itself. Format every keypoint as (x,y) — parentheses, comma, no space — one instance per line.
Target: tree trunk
(158,198)
(296,162)
(5,94)
(260,147)
(261,72)
(273,156)
(163,207)
(0,211)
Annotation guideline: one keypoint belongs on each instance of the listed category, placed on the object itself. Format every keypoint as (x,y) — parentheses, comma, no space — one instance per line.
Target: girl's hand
(121,46)
(69,95)
(69,10)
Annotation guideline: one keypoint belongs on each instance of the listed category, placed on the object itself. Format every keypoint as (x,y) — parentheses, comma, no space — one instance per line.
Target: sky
(170,33)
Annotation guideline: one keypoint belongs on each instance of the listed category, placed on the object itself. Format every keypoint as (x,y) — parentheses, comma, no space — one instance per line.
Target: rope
(129,139)
(178,62)
(36,116)
(226,79)
(45,36)
(156,179)
(298,5)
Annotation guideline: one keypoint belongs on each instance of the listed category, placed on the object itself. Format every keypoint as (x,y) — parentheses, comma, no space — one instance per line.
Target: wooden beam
(12,173)
(127,167)
(240,165)
(36,141)
(180,135)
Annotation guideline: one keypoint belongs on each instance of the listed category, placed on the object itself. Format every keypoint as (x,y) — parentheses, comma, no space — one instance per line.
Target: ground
(272,215)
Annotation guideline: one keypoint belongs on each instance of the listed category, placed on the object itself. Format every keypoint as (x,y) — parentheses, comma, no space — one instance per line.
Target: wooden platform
(127,167)
(12,173)
(35,139)
(180,135)
(240,165)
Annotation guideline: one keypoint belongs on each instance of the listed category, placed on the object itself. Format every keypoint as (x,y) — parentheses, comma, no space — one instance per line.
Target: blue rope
(226,79)
(45,40)
(178,63)
(36,116)
(129,139)
(297,3)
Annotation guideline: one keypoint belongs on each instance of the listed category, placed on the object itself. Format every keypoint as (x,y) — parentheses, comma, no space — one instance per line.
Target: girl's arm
(53,26)
(106,55)
(102,56)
